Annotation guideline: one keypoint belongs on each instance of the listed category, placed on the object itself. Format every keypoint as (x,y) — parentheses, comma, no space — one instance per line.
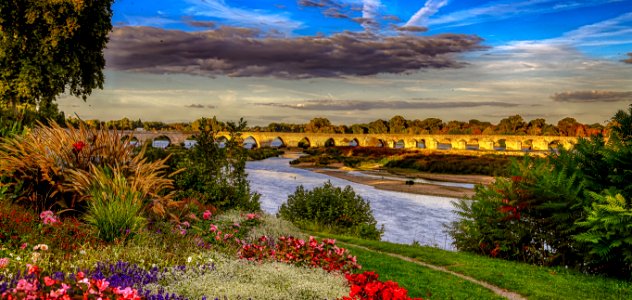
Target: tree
(319,125)
(568,126)
(378,126)
(397,124)
(511,125)
(49,47)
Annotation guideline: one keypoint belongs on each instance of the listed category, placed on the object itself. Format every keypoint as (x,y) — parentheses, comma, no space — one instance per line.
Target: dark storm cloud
(314,3)
(592,96)
(199,24)
(412,28)
(629,60)
(343,105)
(333,12)
(393,18)
(240,52)
(195,106)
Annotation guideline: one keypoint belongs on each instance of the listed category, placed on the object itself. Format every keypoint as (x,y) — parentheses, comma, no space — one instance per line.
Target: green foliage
(263,153)
(214,174)
(331,208)
(114,209)
(559,210)
(51,46)
(609,233)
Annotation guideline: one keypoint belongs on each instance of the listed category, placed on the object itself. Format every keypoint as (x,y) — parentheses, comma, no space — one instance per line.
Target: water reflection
(406,217)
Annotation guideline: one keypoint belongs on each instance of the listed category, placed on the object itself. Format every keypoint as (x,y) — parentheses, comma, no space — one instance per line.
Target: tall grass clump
(331,209)
(114,209)
(53,168)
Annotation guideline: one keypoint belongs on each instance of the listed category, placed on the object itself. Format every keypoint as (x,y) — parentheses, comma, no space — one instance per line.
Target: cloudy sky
(359,60)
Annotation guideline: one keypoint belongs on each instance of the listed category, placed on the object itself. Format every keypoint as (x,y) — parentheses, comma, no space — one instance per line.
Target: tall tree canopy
(48,47)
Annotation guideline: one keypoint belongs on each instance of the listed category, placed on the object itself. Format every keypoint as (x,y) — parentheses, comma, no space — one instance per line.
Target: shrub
(52,167)
(213,174)
(608,234)
(331,208)
(114,208)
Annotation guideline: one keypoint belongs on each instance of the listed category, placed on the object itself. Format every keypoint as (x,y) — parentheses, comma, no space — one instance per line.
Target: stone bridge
(408,141)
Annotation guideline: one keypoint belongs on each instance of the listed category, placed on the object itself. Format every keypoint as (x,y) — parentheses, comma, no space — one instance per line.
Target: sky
(355,61)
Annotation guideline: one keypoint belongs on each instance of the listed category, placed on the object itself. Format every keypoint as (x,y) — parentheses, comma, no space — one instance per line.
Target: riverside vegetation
(67,230)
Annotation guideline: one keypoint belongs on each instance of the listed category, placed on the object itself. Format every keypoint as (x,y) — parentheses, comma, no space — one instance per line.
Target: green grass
(418,280)
(531,281)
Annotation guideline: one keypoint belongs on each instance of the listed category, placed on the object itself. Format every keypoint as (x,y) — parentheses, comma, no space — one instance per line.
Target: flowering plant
(37,286)
(367,286)
(325,255)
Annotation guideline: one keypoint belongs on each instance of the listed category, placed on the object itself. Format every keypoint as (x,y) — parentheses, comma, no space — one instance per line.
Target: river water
(406,217)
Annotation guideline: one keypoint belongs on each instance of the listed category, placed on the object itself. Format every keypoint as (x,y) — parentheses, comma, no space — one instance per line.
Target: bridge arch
(161,141)
(304,143)
(354,142)
(420,143)
(278,143)
(250,143)
(500,145)
(444,144)
(473,144)
(399,144)
(330,142)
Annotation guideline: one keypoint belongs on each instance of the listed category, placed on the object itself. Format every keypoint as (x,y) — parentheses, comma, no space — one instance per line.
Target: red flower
(78,146)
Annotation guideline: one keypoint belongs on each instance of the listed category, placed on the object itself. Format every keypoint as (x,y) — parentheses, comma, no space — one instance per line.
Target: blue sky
(359,60)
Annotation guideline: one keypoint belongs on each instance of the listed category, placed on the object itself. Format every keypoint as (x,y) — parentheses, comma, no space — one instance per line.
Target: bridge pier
(513,145)
(459,145)
(486,145)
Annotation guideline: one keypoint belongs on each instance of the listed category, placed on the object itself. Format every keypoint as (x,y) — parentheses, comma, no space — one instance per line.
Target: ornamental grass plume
(54,167)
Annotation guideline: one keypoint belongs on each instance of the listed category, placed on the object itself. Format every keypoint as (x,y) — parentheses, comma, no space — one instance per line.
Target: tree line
(512,125)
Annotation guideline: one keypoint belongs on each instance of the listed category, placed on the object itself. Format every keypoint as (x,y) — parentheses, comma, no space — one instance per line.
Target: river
(406,217)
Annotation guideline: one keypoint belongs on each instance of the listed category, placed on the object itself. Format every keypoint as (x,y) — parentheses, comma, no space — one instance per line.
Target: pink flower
(127,293)
(23,246)
(207,215)
(213,228)
(251,216)
(48,281)
(236,225)
(102,284)
(48,217)
(4,262)
(186,224)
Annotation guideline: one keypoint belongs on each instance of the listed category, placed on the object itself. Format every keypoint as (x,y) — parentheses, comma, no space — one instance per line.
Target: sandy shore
(400,185)
(396,179)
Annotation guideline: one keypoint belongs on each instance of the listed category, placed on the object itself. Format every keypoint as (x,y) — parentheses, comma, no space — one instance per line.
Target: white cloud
(237,16)
(420,18)
(500,10)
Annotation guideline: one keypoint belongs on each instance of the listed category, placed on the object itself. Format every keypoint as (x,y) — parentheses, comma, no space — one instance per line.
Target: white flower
(82,252)
(189,259)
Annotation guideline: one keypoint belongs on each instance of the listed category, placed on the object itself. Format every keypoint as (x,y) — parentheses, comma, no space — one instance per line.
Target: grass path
(496,290)
(522,280)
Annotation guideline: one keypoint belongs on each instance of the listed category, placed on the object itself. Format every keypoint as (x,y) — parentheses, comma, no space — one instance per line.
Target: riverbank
(395,179)
(399,185)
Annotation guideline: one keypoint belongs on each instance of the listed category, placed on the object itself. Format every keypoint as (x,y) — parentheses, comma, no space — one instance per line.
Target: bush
(332,209)
(213,174)
(114,208)
(608,234)
(571,208)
